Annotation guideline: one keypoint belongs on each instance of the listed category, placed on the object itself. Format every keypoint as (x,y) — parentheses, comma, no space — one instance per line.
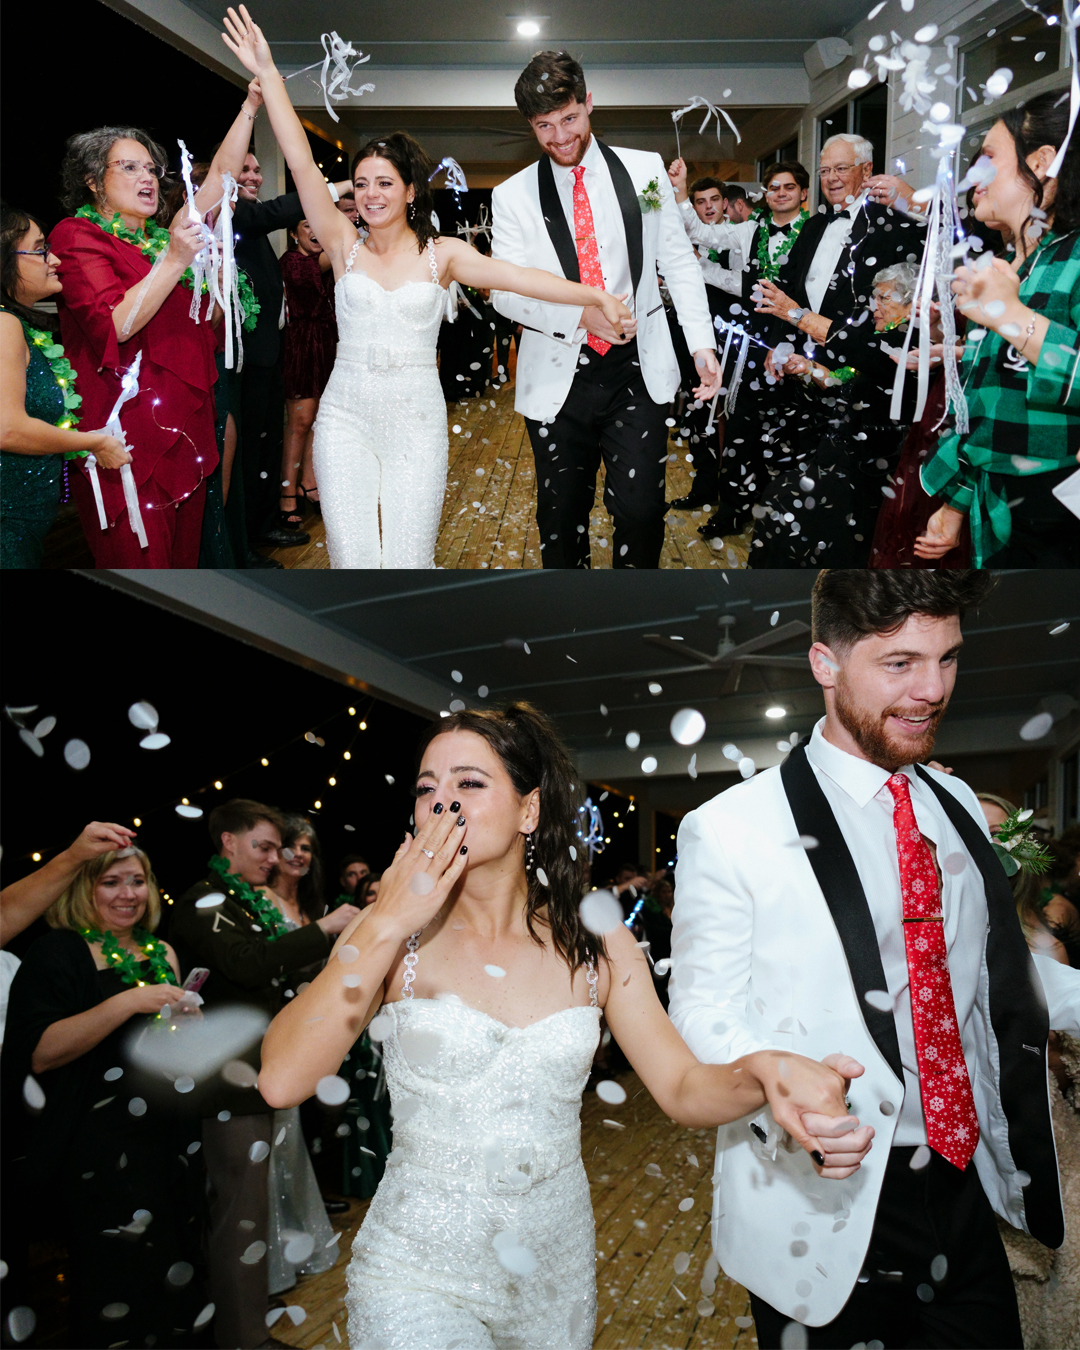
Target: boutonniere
(650,199)
(1018,848)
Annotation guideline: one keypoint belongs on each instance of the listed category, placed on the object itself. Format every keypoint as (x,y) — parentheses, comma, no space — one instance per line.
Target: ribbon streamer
(455,175)
(1071,23)
(723,362)
(204,267)
(129,387)
(472,232)
(336,81)
(227,288)
(711,110)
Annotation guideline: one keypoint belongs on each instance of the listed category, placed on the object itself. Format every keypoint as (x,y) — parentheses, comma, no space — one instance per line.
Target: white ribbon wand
(336,83)
(483,226)
(711,110)
(228,293)
(206,260)
(129,387)
(1071,24)
(455,175)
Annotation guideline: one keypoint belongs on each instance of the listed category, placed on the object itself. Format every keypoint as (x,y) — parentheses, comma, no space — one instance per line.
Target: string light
(318,806)
(36,857)
(363,726)
(184,801)
(137,822)
(347,755)
(332,782)
(217,783)
(352,712)
(265,763)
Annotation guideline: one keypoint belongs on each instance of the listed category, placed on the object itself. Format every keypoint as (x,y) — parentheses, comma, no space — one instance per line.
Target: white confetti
(512,1254)
(298,1248)
(542,877)
(112,1312)
(648,764)
(77,754)
(422,884)
(44,727)
(456,676)
(210,901)
(390,777)
(380,1027)
(179,1274)
(633,740)
(33,1094)
(332,1090)
(687,726)
(686,1204)
(681,1263)
(137,1106)
(254,1253)
(1061,628)
(352,981)
(157,740)
(496,972)
(600,912)
(954,863)
(747,767)
(655,688)
(189,812)
(259,1151)
(662,967)
(879,999)
(208,1311)
(610,1092)
(1035,728)
(348,954)
(144,716)
(185,1083)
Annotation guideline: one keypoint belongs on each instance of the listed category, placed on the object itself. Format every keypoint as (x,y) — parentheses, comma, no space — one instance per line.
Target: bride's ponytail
(415,168)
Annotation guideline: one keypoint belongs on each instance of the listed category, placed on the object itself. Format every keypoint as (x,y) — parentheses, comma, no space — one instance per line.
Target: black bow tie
(779,229)
(846,214)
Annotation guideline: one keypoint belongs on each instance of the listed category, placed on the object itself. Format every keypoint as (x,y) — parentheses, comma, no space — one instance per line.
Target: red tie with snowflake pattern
(952,1126)
(588,255)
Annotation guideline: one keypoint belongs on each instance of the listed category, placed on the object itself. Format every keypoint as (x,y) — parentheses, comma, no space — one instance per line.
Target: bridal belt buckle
(378,356)
(511,1167)
(508,1166)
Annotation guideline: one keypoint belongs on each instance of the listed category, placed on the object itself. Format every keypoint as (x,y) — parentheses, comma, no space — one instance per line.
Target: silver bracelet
(1029,333)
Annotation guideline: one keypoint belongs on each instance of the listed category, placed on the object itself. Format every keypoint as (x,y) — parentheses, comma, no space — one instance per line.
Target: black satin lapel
(838,878)
(555,220)
(630,208)
(1018,1016)
(797,263)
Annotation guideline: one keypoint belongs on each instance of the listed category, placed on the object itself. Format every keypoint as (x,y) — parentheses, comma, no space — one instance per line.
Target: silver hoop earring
(530,853)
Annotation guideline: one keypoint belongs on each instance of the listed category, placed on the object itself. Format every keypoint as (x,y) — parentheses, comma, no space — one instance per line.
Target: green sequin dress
(30,484)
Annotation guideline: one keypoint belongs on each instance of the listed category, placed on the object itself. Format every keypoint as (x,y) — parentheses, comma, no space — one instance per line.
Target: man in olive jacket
(249,956)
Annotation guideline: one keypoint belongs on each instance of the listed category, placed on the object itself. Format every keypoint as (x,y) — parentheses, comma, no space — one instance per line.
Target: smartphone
(196,979)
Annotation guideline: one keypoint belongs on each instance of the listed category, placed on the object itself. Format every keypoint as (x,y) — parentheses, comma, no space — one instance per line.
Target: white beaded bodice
(387,330)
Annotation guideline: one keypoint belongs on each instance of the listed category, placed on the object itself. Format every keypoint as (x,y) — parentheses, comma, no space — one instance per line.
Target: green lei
(124,961)
(769,266)
(63,373)
(154,242)
(260,905)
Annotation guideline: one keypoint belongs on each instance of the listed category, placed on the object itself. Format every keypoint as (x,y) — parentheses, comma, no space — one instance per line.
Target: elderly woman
(1021,371)
(127,290)
(106,1151)
(835,463)
(38,401)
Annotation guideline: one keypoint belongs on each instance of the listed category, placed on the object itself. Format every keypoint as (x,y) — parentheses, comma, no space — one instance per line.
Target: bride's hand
(796,1086)
(415,886)
(616,313)
(244,38)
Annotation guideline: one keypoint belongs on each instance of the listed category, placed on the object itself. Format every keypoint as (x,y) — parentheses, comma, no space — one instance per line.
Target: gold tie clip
(928,918)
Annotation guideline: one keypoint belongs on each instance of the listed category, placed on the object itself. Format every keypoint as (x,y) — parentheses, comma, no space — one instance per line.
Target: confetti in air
(332,1090)
(1035,728)
(687,726)
(601,912)
(610,1092)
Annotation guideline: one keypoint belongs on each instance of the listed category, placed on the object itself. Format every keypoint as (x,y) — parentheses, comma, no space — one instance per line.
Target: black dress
(103,1147)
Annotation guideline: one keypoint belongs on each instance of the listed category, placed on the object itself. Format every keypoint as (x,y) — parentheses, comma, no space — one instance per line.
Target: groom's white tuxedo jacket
(774,946)
(530,227)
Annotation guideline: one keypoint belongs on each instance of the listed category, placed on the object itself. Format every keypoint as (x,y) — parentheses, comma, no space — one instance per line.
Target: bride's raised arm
(470,268)
(697,1094)
(244,38)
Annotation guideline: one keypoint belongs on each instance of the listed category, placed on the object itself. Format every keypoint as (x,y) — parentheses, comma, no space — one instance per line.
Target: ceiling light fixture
(775,712)
(528,28)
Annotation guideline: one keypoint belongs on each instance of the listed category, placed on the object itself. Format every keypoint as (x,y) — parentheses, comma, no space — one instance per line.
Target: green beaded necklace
(261,906)
(770,266)
(119,958)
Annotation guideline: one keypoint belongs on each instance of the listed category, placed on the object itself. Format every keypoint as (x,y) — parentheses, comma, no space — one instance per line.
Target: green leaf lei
(769,266)
(124,961)
(64,374)
(261,906)
(1018,849)
(154,242)
(649,198)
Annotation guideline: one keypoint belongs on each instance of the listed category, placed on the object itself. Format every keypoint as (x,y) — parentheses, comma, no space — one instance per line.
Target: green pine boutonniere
(649,199)
(1018,848)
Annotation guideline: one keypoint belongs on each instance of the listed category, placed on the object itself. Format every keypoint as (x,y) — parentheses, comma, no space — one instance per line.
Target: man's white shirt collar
(860,779)
(591,160)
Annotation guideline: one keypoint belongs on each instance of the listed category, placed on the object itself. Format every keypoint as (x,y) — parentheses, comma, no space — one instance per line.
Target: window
(867,115)
(788,151)
(1026,46)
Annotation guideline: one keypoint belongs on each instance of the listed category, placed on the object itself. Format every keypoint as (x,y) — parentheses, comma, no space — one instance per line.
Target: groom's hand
(708,368)
(842,1148)
(595,321)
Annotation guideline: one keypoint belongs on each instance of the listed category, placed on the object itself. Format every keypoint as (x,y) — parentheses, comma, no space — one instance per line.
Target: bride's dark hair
(533,755)
(415,168)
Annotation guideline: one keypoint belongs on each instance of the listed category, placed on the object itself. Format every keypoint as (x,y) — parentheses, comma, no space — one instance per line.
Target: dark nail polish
(461,820)
(455,806)
(436,810)
(464,848)
(819,1158)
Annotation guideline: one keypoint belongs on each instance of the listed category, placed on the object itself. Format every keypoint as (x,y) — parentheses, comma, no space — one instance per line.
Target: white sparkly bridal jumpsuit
(486,1162)
(380,445)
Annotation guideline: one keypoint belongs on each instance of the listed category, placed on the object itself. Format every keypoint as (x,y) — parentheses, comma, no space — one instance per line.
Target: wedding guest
(739,207)
(27,899)
(115,305)
(351,871)
(308,358)
(368,890)
(249,950)
(38,401)
(103,1153)
(1021,377)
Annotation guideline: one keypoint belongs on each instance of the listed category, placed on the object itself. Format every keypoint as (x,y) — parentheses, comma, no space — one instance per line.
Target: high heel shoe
(290,520)
(311,498)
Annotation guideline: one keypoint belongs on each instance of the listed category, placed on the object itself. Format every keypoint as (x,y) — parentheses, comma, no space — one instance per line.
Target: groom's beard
(870,732)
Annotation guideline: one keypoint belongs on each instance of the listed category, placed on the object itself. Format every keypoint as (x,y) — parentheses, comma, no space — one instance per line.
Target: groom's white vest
(535,235)
(774,946)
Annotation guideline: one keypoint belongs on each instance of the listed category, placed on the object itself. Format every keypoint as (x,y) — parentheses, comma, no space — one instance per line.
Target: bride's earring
(530,853)
(411,212)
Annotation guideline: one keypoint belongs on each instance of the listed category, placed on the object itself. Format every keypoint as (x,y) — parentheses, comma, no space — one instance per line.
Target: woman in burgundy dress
(309,349)
(107,248)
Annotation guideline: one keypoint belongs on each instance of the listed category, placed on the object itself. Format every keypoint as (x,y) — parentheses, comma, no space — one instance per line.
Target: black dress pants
(607,415)
(907,1295)
(262,431)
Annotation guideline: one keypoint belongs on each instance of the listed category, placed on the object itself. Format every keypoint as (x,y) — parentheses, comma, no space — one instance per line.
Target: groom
(851,898)
(607,218)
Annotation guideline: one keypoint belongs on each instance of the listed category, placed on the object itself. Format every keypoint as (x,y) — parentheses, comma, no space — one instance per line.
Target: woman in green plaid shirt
(1022,375)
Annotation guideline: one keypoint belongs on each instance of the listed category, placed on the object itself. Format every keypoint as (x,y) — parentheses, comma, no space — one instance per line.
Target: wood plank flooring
(488,519)
(640,1231)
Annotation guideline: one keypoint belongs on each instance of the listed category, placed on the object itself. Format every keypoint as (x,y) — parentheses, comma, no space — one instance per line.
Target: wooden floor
(640,1230)
(488,519)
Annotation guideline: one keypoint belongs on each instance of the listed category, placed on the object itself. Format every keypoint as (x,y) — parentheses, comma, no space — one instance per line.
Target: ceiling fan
(732,656)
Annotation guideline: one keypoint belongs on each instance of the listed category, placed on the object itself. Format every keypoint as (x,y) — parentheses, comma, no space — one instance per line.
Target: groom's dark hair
(849,604)
(551,80)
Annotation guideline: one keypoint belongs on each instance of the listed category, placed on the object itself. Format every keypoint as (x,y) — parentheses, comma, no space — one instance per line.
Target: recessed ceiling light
(528,28)
(775,712)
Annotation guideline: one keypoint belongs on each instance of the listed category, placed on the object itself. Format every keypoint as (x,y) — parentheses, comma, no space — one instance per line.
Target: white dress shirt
(863,805)
(832,244)
(607,218)
(736,236)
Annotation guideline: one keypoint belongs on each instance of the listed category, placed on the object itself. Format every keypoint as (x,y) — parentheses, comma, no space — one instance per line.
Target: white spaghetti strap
(431,261)
(591,977)
(411,959)
(352,256)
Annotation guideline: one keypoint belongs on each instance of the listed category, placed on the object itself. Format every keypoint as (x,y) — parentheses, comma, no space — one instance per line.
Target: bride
(380,446)
(489,991)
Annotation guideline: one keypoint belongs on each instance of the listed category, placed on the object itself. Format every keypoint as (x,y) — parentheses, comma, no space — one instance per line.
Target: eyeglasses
(132,169)
(42,252)
(837,171)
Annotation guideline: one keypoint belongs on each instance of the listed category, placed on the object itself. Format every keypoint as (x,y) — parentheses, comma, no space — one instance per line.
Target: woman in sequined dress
(381,441)
(489,989)
(37,428)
